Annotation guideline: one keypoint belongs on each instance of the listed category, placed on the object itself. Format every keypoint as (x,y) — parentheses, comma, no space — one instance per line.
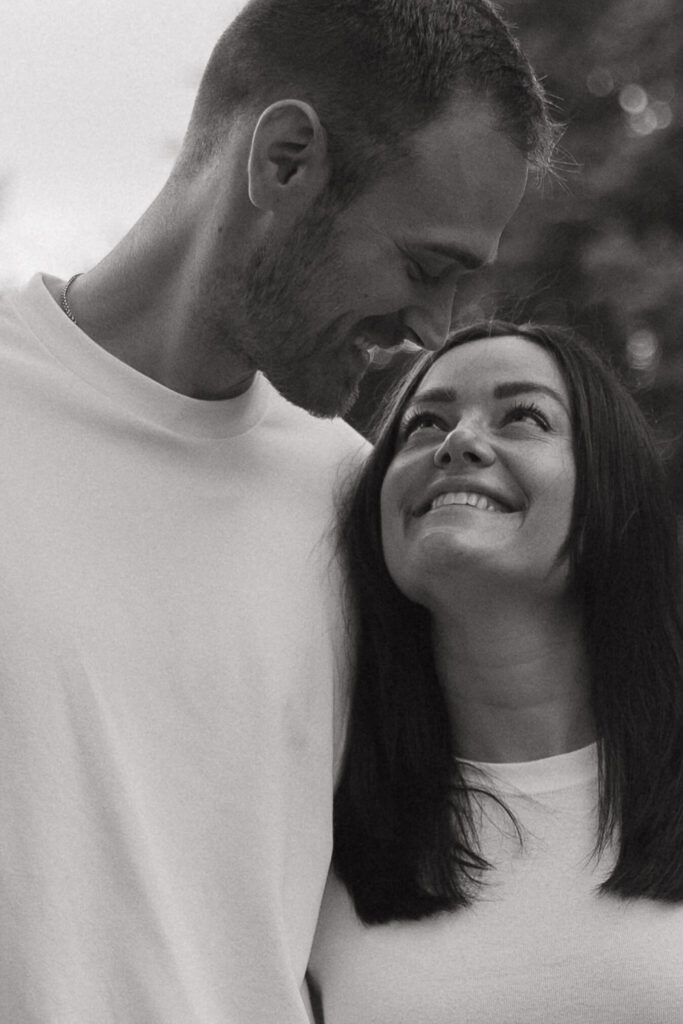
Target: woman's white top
(539,945)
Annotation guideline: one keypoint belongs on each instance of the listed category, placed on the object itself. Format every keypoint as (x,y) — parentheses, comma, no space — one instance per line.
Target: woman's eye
(420,421)
(528,412)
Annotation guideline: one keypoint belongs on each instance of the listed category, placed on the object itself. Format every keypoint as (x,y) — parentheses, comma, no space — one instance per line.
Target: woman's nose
(464,446)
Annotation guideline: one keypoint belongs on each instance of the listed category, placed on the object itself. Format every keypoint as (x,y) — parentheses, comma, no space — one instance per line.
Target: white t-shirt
(538,947)
(171,678)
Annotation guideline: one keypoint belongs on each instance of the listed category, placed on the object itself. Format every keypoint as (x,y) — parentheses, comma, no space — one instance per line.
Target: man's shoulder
(23,308)
(18,332)
(8,299)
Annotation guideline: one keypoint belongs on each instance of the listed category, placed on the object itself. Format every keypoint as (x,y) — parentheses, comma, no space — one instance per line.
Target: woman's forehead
(485,362)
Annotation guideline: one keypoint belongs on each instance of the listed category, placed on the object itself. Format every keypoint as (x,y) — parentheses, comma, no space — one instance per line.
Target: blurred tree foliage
(600,245)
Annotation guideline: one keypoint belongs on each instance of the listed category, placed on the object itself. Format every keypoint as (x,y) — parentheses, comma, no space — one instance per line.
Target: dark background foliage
(600,245)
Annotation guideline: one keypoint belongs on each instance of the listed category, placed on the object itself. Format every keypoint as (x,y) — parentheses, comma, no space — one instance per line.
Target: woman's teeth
(479,501)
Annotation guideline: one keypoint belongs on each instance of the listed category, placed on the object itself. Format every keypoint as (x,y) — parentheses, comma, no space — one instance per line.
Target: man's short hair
(375,71)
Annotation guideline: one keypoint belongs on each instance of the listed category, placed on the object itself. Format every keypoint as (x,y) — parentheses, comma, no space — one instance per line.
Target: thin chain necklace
(65,302)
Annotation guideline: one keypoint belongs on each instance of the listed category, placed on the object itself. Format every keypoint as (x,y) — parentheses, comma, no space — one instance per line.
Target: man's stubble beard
(290,316)
(291,301)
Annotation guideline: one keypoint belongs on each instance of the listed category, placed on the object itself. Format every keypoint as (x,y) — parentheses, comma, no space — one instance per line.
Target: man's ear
(288,157)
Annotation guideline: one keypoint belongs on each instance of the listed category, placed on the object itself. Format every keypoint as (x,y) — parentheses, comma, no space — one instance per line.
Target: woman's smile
(482,478)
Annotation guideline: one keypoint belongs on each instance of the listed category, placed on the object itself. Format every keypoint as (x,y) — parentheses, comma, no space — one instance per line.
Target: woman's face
(481,484)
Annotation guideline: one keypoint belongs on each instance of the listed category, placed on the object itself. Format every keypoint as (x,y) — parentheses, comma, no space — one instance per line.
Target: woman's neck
(515,679)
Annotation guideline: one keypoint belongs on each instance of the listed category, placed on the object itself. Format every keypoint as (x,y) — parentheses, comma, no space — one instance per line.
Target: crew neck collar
(126,387)
(543,775)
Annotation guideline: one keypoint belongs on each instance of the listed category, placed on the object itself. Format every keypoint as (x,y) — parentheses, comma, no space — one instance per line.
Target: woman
(509,821)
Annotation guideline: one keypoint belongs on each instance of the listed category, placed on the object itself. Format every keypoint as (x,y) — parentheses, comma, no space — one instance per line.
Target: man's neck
(140,305)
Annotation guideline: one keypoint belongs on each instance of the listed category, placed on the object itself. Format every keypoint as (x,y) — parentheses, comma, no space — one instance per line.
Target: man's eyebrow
(520,387)
(468,259)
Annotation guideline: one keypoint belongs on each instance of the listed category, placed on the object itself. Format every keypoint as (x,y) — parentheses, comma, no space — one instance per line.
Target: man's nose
(435,314)
(464,445)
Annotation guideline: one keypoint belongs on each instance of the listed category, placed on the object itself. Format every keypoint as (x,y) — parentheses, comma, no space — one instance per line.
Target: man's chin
(322,400)
(328,407)
(329,413)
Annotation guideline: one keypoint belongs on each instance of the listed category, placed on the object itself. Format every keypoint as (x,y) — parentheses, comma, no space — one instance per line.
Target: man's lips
(382,350)
(382,356)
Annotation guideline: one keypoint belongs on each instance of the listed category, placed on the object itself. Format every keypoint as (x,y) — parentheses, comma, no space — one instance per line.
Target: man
(172,638)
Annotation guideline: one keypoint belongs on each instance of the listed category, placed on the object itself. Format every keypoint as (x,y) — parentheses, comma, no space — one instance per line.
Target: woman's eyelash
(423,419)
(418,419)
(528,409)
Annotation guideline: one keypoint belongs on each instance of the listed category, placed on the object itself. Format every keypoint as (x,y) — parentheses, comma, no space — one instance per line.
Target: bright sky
(96,98)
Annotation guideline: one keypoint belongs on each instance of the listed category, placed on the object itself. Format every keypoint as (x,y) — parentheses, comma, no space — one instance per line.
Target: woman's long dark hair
(405,844)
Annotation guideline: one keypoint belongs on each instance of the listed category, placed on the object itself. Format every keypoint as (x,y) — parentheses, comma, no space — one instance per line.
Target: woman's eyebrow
(518,387)
(507,390)
(433,395)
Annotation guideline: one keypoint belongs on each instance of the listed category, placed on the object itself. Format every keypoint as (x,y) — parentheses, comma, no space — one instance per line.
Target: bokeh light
(644,122)
(644,113)
(663,113)
(600,82)
(633,99)
(642,351)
